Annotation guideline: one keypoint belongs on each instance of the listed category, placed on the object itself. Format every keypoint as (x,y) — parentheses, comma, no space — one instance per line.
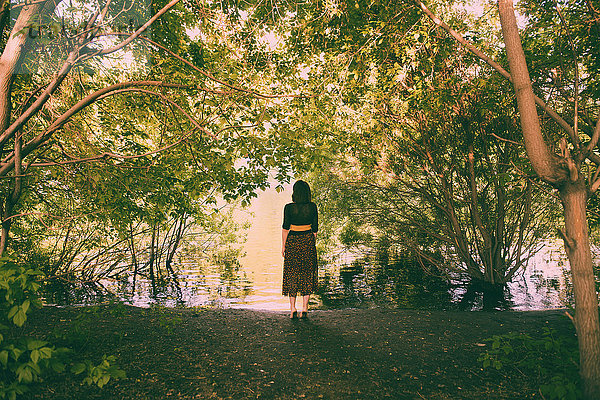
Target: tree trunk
(11,54)
(151,260)
(577,245)
(543,161)
(133,257)
(9,61)
(12,198)
(573,193)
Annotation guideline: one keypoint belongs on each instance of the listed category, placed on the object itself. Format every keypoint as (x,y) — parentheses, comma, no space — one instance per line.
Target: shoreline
(283,311)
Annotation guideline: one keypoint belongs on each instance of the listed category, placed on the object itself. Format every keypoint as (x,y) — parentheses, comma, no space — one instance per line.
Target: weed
(551,358)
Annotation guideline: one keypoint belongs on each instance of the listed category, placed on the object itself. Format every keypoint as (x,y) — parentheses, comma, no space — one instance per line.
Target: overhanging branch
(34,143)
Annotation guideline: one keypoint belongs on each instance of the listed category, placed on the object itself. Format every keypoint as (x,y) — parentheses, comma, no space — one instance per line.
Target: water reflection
(207,286)
(407,285)
(359,284)
(61,292)
(366,284)
(484,296)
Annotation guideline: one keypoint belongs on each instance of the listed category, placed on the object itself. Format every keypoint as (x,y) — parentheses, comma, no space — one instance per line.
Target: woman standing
(300,225)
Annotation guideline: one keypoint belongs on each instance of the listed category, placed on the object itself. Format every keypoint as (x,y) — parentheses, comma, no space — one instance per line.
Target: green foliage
(350,235)
(25,360)
(176,159)
(82,327)
(552,46)
(17,291)
(78,335)
(100,374)
(552,359)
(166,319)
(408,107)
(22,360)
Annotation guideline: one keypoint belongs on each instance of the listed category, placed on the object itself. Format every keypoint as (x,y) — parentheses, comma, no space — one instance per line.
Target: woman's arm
(284,235)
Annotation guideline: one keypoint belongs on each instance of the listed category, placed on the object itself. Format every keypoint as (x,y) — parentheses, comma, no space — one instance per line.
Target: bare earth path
(240,354)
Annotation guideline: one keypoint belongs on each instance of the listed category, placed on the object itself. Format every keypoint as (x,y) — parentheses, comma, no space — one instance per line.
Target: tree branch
(73,57)
(107,155)
(522,227)
(212,77)
(487,240)
(64,118)
(140,30)
(575,138)
(595,136)
(28,3)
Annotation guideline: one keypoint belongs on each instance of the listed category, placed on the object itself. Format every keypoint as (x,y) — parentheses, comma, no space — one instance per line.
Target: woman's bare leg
(305,302)
(292,304)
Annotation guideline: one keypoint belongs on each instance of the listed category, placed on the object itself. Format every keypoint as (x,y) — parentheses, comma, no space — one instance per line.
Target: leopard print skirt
(300,264)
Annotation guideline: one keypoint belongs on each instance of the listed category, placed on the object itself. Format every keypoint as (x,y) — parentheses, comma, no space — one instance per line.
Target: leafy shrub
(24,360)
(552,359)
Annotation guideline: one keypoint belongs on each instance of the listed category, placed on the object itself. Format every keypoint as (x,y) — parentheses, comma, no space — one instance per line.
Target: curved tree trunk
(577,245)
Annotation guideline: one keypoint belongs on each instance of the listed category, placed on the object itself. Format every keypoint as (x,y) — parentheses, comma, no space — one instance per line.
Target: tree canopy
(135,119)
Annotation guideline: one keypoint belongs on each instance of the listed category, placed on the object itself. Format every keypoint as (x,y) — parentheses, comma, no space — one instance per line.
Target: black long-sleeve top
(301,214)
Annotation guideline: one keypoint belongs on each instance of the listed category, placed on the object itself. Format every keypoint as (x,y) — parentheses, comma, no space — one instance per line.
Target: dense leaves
(432,160)
(157,135)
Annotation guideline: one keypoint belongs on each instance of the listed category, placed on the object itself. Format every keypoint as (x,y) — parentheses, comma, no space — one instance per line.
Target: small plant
(116,308)
(99,374)
(81,329)
(166,320)
(551,358)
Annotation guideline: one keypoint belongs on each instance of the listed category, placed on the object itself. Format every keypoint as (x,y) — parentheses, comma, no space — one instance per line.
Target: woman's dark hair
(301,192)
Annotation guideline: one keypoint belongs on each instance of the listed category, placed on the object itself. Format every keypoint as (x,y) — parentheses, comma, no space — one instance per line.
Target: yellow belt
(300,227)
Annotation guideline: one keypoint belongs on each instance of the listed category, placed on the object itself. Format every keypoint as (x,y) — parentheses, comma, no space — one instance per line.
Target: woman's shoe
(304,314)
(294,315)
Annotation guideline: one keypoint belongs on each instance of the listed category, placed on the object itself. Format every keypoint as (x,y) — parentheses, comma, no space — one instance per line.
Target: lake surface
(255,280)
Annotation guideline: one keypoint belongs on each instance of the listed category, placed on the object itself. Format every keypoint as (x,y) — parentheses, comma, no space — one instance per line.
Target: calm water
(255,280)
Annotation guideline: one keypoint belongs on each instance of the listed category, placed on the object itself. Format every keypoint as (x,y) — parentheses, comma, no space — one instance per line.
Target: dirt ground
(240,354)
